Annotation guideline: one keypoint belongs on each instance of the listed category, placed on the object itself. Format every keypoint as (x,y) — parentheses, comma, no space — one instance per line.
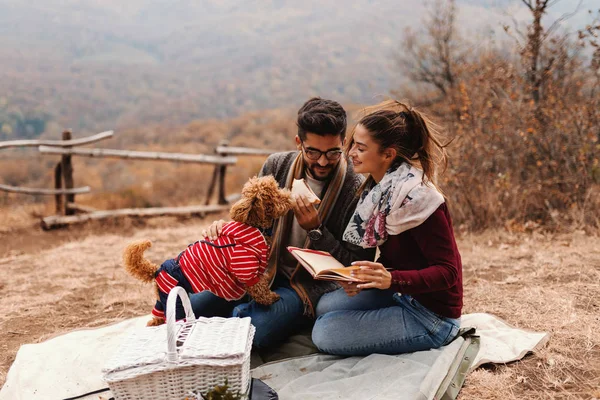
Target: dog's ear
(240,210)
(283,203)
(250,208)
(257,214)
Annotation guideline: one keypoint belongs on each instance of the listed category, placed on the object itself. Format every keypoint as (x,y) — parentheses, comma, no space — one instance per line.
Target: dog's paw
(275,297)
(268,299)
(155,321)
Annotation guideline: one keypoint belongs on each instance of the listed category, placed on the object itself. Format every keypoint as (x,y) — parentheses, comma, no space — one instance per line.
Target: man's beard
(312,169)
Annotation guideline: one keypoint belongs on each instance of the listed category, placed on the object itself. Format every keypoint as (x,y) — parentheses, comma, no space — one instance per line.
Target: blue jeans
(274,323)
(172,268)
(378,321)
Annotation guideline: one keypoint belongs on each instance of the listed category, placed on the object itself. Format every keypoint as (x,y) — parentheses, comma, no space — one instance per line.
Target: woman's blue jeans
(274,323)
(378,321)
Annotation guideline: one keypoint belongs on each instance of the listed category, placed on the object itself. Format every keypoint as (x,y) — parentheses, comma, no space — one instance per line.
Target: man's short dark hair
(321,117)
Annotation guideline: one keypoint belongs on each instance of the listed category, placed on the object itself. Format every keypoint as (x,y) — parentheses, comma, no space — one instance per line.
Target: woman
(411,298)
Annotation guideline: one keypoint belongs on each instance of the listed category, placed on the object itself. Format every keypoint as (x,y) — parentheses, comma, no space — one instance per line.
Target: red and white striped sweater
(237,257)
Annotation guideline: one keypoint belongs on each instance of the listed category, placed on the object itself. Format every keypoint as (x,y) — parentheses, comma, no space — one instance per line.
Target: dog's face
(262,201)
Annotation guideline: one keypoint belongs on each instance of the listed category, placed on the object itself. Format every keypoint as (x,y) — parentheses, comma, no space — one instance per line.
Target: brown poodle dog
(230,266)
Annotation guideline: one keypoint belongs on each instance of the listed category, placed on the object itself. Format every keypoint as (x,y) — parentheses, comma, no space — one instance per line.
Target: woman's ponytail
(432,153)
(416,139)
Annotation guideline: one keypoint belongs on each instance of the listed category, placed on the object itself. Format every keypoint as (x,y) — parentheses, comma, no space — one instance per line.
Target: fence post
(211,185)
(67,172)
(218,174)
(222,170)
(58,185)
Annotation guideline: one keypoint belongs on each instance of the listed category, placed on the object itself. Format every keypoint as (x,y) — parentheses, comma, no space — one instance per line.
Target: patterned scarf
(284,224)
(399,202)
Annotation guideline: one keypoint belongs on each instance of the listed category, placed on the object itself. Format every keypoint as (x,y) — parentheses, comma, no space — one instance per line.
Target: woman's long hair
(413,135)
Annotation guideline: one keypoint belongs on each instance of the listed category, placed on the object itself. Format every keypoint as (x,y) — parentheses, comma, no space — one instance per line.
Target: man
(320,161)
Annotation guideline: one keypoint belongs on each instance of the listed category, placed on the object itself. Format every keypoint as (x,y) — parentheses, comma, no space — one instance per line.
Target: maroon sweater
(426,264)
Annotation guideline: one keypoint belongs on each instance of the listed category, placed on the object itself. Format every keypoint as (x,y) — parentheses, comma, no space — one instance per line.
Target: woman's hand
(374,275)
(350,288)
(214,230)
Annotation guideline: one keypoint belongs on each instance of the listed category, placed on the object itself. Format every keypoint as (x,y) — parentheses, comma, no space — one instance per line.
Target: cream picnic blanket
(70,365)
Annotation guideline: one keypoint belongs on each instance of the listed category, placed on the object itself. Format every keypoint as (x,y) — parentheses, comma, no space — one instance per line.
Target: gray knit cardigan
(311,290)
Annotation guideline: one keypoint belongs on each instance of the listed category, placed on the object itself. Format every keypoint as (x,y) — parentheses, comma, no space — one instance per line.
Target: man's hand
(214,230)
(306,214)
(373,274)
(350,288)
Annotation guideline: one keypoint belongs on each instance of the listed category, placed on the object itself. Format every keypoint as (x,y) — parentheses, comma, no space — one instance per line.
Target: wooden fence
(69,212)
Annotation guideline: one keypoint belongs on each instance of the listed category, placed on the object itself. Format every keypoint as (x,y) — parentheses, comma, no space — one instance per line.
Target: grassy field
(57,281)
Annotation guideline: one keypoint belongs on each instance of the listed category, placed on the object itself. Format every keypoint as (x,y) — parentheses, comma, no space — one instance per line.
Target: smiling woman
(402,212)
(367,157)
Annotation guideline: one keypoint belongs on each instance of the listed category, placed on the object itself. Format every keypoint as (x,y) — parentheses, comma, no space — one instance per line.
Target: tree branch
(561,19)
(528,4)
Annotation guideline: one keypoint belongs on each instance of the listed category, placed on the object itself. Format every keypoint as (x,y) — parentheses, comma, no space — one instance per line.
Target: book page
(322,265)
(339,274)
(318,261)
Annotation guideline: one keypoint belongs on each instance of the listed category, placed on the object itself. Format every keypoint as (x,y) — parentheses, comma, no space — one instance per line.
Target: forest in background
(523,119)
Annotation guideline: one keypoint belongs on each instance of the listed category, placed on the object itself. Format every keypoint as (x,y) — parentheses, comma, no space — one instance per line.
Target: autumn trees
(525,121)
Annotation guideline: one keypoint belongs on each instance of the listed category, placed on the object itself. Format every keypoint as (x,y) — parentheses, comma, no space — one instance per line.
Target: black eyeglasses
(314,154)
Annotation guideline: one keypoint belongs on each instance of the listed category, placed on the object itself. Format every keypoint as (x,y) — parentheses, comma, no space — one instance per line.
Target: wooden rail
(239,151)
(60,143)
(24,190)
(64,191)
(218,176)
(59,220)
(81,208)
(141,155)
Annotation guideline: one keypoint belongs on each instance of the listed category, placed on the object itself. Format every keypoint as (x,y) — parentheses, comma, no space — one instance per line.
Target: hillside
(95,64)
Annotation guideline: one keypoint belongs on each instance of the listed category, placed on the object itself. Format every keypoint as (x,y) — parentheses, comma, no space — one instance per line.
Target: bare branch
(528,3)
(432,58)
(560,20)
(552,3)
(516,29)
(516,25)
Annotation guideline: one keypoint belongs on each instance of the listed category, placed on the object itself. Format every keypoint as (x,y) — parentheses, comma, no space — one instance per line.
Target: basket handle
(177,291)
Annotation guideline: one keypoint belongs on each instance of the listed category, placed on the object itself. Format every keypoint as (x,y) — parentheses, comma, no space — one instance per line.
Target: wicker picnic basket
(198,355)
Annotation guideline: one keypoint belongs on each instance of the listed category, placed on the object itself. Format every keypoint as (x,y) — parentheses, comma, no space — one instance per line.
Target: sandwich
(300,187)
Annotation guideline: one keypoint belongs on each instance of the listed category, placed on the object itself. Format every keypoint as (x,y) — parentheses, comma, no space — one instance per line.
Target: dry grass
(544,283)
(533,281)
(21,216)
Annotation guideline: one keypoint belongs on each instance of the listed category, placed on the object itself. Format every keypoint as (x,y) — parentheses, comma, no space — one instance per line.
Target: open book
(322,265)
